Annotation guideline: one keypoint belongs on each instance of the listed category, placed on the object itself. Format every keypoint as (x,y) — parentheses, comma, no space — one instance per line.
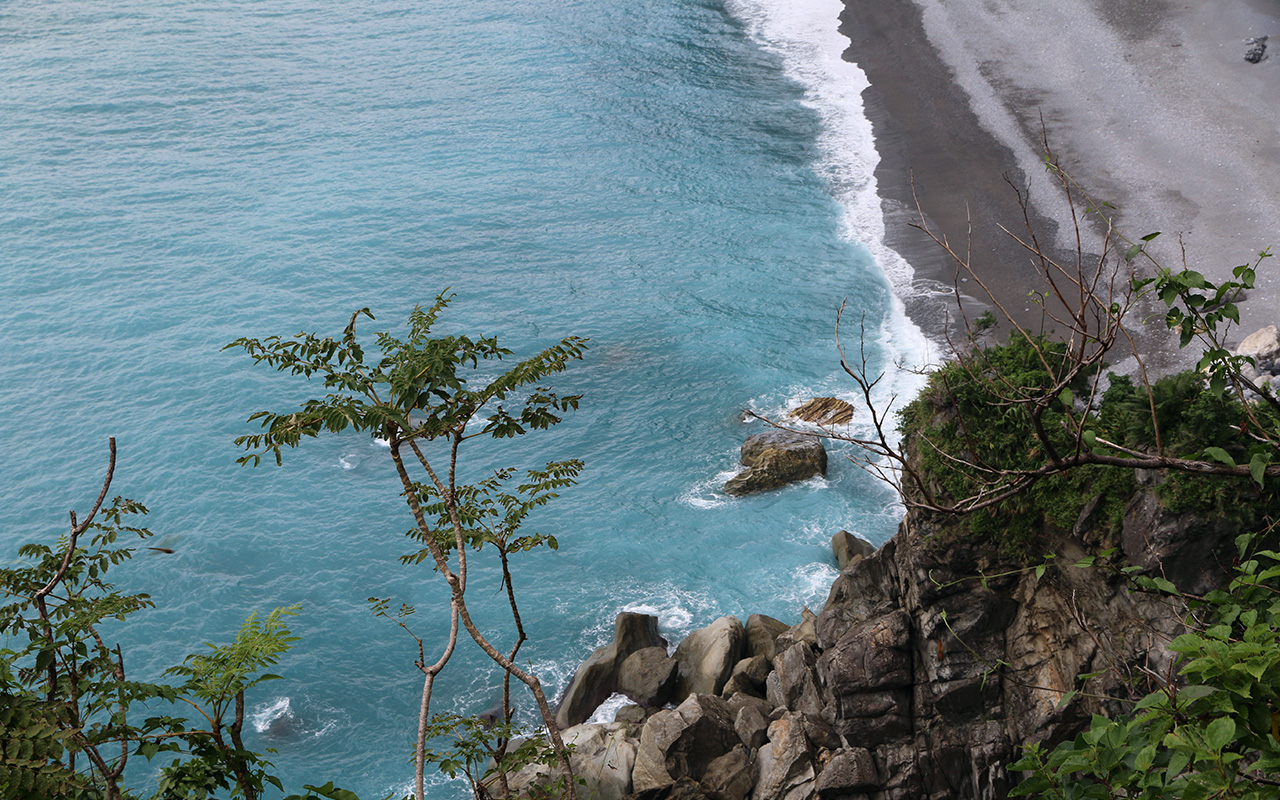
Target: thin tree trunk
(424,710)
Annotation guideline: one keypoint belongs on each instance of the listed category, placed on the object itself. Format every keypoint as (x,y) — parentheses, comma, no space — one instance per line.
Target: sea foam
(804,35)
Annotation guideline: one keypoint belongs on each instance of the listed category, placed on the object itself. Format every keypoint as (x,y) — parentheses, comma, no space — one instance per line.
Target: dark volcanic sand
(1149,105)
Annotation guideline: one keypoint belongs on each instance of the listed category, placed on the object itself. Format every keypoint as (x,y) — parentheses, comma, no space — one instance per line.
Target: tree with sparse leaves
(426,395)
(71,717)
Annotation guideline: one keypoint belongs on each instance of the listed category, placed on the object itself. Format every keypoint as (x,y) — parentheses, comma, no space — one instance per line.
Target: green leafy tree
(69,712)
(425,395)
(216,682)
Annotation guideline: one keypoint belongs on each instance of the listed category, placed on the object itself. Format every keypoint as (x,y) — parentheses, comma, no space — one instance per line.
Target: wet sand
(1149,105)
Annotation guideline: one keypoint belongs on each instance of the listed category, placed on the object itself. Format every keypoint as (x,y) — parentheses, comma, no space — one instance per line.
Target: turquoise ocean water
(687,183)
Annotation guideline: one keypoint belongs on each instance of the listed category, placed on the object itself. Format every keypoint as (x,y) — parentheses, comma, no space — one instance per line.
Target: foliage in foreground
(70,716)
(1213,732)
(426,394)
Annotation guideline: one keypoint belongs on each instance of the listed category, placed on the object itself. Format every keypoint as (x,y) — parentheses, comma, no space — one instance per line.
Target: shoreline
(933,150)
(1133,102)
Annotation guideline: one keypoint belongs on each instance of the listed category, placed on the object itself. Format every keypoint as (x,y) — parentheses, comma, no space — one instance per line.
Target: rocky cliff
(933,661)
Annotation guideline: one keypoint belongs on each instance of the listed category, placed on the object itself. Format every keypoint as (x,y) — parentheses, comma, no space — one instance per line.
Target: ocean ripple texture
(684,182)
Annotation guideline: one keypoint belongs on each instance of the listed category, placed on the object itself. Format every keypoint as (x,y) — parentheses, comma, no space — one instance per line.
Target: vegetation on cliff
(1026,437)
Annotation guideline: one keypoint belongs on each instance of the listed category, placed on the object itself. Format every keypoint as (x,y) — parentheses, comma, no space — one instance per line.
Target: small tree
(68,709)
(425,395)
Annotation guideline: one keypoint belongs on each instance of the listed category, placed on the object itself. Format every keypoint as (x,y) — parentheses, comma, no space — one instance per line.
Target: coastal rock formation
(762,635)
(597,677)
(683,742)
(776,458)
(707,657)
(933,661)
(846,547)
(649,677)
(919,678)
(824,411)
(603,757)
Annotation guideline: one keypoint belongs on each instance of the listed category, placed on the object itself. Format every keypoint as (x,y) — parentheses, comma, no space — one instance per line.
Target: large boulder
(707,657)
(749,675)
(762,635)
(850,770)
(785,768)
(752,725)
(846,547)
(649,677)
(793,684)
(603,756)
(776,458)
(597,677)
(731,776)
(682,742)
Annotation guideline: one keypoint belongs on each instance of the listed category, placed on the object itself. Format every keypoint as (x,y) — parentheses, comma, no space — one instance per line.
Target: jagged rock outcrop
(776,458)
(762,635)
(683,742)
(597,677)
(846,547)
(933,661)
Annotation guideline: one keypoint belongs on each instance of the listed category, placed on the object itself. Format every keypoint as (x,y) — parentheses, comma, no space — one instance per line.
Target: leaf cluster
(422,385)
(479,751)
(1213,732)
(68,710)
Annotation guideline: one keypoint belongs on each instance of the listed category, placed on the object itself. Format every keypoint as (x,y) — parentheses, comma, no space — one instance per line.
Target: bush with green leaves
(71,717)
(1211,732)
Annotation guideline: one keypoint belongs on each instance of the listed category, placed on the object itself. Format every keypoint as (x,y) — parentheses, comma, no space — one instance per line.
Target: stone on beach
(1263,346)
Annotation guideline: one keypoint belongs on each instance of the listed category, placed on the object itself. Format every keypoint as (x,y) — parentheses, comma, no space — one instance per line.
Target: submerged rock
(776,458)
